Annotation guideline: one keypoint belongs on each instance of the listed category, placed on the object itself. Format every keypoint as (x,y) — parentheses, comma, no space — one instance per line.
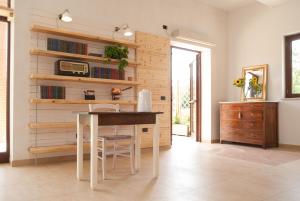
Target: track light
(65,16)
(125,29)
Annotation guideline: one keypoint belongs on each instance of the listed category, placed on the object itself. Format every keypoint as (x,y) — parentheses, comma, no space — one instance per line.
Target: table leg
(94,135)
(137,151)
(156,136)
(79,148)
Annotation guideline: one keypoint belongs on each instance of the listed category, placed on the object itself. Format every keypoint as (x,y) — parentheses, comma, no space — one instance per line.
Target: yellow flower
(239,82)
(254,79)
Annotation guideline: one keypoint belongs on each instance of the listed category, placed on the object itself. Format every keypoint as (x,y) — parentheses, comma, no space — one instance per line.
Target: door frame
(198,94)
(4,156)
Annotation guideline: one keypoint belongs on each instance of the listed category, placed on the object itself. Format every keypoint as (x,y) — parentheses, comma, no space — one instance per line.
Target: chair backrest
(104,107)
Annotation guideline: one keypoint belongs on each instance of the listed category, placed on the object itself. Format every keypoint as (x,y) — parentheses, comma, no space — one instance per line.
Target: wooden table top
(124,118)
(125,113)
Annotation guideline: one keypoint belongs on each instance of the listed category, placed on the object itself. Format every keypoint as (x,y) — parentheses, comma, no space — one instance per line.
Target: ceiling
(229,5)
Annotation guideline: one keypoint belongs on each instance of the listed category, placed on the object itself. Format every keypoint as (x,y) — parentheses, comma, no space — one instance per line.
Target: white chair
(125,150)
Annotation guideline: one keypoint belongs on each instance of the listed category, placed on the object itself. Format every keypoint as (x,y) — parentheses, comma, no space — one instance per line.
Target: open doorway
(186,93)
(4,87)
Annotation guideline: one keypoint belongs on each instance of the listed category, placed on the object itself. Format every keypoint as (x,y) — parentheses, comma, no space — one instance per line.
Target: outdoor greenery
(296,72)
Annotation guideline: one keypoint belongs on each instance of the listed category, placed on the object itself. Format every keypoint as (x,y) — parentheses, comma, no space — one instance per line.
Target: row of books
(52,92)
(66,46)
(107,73)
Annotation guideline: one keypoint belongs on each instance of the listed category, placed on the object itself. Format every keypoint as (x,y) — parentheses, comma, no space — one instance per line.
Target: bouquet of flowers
(254,86)
(240,83)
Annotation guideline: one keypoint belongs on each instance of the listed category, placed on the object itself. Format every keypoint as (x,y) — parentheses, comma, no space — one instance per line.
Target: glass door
(4,80)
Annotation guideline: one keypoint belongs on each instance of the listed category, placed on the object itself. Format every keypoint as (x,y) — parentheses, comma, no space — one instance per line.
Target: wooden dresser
(253,123)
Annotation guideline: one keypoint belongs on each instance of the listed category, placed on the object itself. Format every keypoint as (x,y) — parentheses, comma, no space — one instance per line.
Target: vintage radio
(72,68)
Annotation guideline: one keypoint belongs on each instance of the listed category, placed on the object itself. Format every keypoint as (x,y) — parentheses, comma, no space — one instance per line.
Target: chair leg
(103,160)
(132,156)
(114,155)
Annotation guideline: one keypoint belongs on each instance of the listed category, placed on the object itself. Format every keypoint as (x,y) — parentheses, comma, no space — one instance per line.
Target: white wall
(99,17)
(255,36)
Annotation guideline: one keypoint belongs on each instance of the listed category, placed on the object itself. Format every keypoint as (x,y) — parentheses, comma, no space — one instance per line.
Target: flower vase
(244,96)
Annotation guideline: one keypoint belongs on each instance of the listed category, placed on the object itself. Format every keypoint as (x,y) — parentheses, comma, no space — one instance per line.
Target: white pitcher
(144,101)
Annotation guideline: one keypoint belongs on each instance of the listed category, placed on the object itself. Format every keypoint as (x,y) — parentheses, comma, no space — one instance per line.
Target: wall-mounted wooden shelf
(82,36)
(56,54)
(75,102)
(81,79)
(44,125)
(57,149)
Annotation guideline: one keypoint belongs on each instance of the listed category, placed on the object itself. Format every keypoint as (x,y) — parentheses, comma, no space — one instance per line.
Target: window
(292,66)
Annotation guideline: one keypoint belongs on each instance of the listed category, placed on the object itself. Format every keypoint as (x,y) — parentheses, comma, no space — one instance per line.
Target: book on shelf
(107,73)
(66,46)
(52,92)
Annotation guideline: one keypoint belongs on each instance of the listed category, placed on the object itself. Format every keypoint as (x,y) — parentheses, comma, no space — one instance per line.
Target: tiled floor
(189,172)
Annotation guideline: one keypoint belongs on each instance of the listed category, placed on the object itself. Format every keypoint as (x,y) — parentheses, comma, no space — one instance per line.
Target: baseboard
(212,141)
(290,147)
(56,159)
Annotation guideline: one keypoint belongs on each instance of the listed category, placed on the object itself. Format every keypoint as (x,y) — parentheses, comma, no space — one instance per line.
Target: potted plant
(119,53)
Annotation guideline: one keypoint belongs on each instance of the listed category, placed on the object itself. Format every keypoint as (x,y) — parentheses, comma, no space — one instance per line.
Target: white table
(96,119)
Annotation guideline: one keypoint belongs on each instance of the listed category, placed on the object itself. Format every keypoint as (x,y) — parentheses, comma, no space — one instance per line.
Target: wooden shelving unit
(37,51)
(45,125)
(56,54)
(81,79)
(57,149)
(79,102)
(82,36)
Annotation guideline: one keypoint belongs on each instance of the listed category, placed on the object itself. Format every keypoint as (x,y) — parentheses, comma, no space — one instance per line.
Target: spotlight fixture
(65,16)
(125,29)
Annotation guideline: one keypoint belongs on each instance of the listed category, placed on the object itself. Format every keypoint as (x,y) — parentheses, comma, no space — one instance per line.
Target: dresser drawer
(244,136)
(243,107)
(256,115)
(237,124)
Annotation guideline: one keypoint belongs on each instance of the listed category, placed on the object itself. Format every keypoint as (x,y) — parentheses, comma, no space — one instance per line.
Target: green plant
(119,53)
(176,119)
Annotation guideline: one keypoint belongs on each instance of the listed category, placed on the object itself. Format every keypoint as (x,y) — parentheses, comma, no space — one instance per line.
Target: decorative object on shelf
(130,78)
(119,53)
(95,54)
(107,73)
(144,101)
(89,95)
(255,82)
(240,83)
(72,68)
(125,29)
(66,46)
(65,16)
(52,92)
(117,92)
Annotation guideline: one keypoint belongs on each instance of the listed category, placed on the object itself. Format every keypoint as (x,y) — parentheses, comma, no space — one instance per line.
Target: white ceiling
(228,5)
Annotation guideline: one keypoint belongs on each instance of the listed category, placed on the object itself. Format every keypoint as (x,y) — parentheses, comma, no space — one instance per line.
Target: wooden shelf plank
(43,125)
(82,36)
(68,101)
(56,54)
(81,79)
(57,149)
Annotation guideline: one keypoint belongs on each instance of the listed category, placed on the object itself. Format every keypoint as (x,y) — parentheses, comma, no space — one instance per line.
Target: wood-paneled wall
(154,73)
